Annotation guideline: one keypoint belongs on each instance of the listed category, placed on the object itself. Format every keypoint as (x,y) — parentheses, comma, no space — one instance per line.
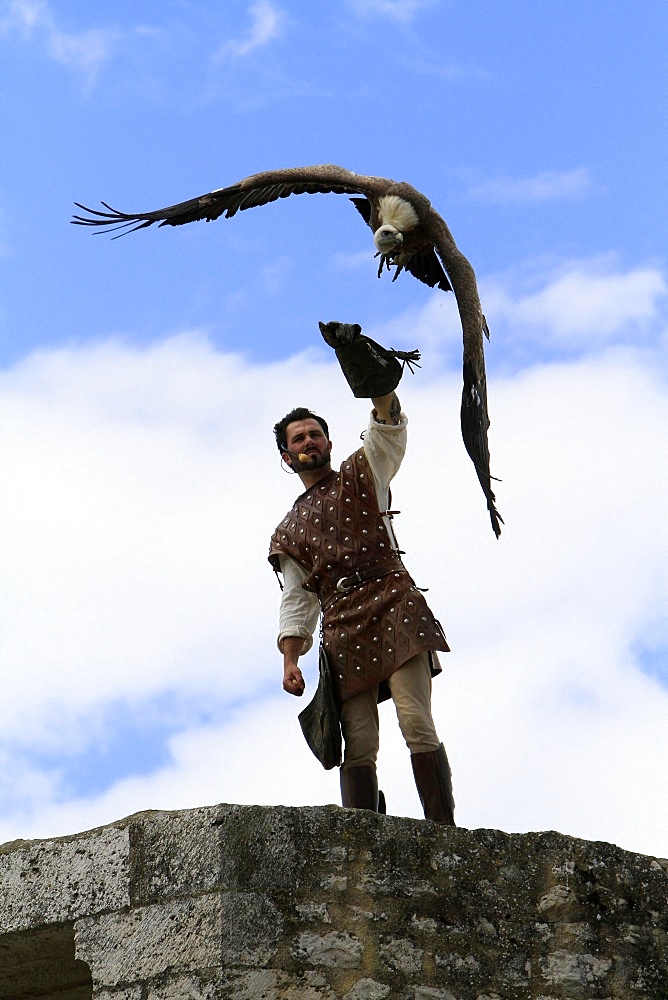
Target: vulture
(409,235)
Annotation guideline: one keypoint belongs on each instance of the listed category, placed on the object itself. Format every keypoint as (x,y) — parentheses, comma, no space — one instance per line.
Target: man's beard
(315,461)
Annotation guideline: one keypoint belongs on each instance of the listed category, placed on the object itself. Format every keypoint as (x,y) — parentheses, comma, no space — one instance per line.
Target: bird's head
(387,238)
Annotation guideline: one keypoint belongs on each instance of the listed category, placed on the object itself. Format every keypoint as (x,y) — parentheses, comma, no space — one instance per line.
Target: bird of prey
(409,235)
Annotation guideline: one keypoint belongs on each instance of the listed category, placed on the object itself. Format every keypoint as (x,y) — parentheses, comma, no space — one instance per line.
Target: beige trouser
(410,687)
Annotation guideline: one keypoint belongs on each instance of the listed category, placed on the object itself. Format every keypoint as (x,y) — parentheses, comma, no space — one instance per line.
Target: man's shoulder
(358,457)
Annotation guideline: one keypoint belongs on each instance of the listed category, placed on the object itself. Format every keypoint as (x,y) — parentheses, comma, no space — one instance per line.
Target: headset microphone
(299,455)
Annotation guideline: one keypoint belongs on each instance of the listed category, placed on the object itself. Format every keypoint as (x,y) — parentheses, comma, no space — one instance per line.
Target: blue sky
(139,379)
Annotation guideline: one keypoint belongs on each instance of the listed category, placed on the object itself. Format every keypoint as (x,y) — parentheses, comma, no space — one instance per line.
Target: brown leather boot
(433,779)
(359,787)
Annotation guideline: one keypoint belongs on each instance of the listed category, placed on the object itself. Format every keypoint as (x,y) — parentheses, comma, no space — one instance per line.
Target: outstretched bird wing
(474,414)
(429,253)
(261,189)
(258,189)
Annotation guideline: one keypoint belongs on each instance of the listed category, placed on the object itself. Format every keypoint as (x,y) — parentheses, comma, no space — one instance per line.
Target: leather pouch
(321,719)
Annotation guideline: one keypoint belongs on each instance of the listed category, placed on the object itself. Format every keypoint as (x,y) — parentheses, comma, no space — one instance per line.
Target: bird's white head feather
(397,212)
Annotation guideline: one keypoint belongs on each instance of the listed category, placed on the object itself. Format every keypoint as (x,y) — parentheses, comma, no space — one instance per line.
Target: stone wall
(301,904)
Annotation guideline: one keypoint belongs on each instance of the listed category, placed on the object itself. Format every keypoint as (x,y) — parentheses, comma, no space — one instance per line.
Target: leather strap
(374,570)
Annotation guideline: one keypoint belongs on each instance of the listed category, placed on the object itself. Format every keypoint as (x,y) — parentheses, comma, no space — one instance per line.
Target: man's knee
(411,693)
(359,725)
(419,731)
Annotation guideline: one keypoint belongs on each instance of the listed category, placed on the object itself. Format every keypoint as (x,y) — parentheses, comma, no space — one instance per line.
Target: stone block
(248,984)
(368,989)
(173,854)
(148,941)
(121,993)
(429,993)
(210,931)
(55,881)
(401,955)
(334,950)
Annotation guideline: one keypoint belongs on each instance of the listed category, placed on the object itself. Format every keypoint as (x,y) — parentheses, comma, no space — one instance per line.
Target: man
(338,554)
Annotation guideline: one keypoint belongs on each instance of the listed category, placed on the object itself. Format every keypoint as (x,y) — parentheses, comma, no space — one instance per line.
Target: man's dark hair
(299,413)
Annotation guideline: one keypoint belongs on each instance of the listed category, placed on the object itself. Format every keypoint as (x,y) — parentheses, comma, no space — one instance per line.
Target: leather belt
(347,583)
(372,571)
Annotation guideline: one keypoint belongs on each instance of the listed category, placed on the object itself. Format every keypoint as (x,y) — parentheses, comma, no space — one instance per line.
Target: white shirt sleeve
(385,446)
(300,609)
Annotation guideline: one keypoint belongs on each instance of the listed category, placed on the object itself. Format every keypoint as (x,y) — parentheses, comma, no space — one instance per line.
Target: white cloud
(267,21)
(358,261)
(120,463)
(547,185)
(401,11)
(140,487)
(583,303)
(85,52)
(23,16)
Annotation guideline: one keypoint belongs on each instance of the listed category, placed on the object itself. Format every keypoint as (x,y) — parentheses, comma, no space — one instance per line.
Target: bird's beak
(388,238)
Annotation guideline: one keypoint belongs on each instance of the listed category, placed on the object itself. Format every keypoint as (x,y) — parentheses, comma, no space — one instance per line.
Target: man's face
(306,437)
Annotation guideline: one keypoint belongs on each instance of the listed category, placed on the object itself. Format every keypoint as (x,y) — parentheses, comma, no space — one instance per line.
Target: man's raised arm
(386,409)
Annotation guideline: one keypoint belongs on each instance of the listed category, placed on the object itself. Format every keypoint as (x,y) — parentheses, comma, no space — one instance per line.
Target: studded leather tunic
(334,529)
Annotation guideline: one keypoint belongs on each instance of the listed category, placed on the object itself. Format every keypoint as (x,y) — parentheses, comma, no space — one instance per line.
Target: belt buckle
(343,586)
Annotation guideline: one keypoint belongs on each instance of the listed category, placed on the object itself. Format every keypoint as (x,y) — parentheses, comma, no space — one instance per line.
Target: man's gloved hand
(337,334)
(371,370)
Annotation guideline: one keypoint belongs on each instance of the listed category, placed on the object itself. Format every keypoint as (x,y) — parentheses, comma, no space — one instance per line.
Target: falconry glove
(370,370)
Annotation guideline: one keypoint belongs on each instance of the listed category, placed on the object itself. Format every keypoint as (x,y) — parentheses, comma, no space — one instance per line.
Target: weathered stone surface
(127,993)
(41,963)
(258,984)
(368,989)
(254,903)
(147,941)
(338,951)
(54,881)
(173,855)
(222,929)
(427,993)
